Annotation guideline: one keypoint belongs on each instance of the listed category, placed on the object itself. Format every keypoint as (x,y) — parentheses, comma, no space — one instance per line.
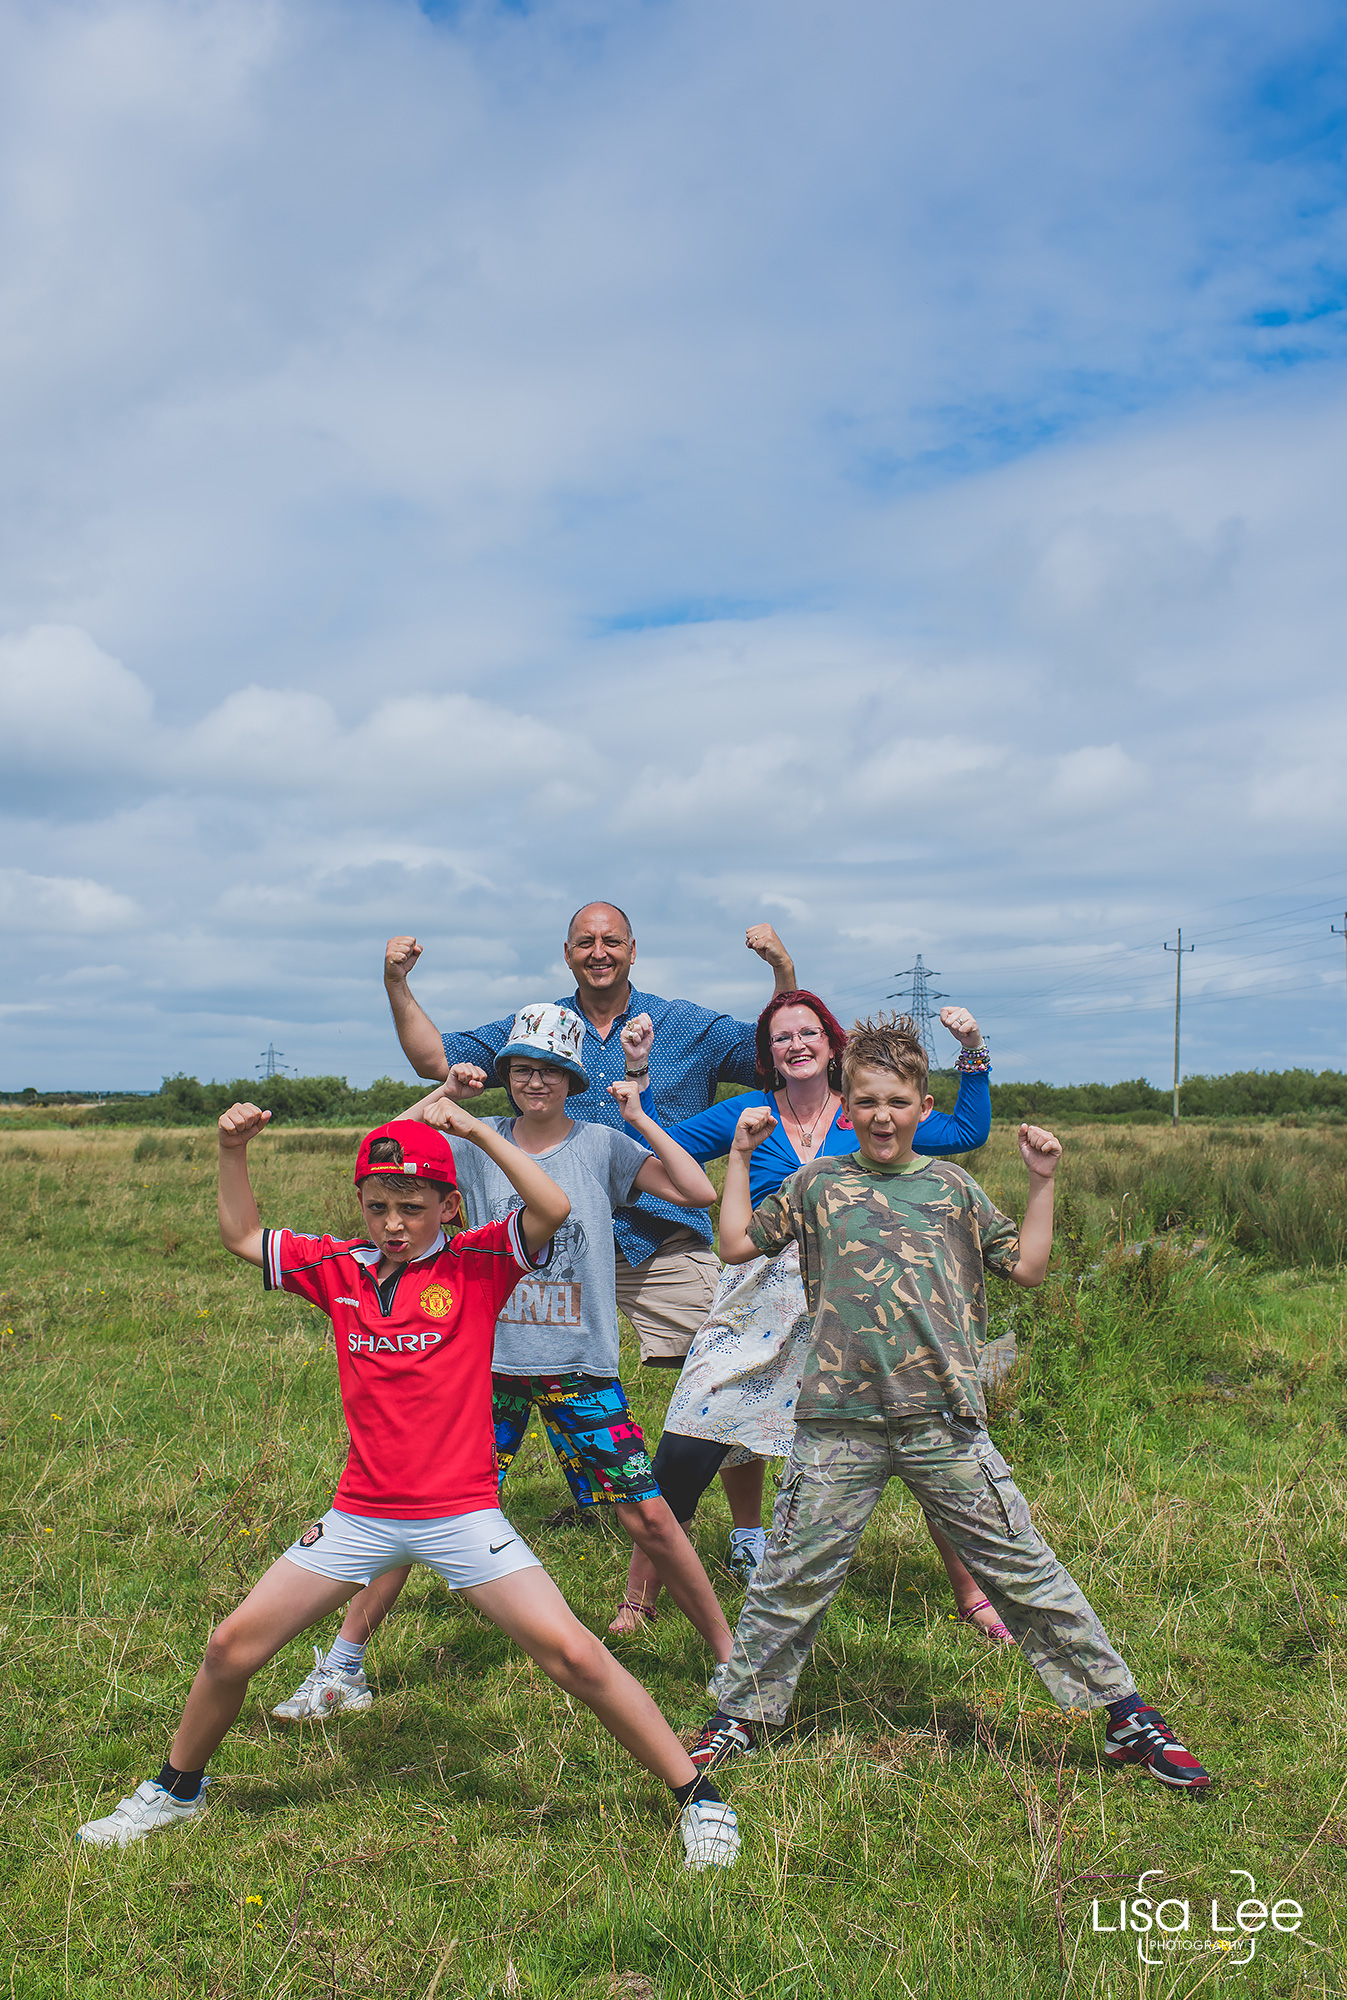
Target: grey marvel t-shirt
(563,1318)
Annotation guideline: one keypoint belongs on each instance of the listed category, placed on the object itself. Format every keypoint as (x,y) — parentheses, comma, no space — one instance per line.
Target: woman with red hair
(734,1403)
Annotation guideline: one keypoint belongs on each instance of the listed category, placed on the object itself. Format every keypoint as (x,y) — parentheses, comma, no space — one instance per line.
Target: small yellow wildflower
(254,1899)
(56,1417)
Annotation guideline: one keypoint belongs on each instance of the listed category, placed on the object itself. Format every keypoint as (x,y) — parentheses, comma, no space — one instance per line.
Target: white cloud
(861,467)
(1096,779)
(67,706)
(70,905)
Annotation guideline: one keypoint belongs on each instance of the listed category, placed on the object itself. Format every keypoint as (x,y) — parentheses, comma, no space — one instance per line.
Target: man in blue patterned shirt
(666,1267)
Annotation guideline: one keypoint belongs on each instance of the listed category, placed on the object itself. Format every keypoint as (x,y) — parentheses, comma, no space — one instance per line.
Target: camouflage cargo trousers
(832,1483)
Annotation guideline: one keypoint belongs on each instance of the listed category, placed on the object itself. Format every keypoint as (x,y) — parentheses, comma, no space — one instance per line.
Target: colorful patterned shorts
(592,1432)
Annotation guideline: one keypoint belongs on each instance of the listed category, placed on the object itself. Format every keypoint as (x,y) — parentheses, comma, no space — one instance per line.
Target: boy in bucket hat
(413,1315)
(557,1333)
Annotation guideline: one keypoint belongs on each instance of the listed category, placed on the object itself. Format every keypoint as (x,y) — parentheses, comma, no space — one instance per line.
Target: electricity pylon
(921,1001)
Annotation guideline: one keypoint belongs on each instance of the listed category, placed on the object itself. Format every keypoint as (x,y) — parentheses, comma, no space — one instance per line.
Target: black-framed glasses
(518,1074)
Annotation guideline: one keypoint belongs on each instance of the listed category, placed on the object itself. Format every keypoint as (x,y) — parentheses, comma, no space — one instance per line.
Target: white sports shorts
(465,1549)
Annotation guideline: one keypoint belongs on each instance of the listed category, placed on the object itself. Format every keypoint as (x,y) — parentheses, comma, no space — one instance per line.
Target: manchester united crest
(436,1301)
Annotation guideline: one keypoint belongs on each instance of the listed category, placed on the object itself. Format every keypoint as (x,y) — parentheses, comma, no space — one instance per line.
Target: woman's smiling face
(799,1046)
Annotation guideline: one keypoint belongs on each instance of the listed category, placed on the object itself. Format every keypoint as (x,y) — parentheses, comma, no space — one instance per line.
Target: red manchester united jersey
(414,1364)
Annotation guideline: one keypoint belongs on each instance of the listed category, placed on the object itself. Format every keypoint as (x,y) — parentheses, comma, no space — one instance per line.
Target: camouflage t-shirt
(893,1261)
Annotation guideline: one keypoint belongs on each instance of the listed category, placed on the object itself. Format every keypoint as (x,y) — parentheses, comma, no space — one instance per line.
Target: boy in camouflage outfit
(894,1250)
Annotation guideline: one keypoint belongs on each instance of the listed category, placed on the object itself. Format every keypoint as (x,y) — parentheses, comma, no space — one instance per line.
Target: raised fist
(638,1038)
(400,955)
(753,1127)
(1039,1150)
(762,939)
(241,1123)
(962,1026)
(446,1115)
(627,1096)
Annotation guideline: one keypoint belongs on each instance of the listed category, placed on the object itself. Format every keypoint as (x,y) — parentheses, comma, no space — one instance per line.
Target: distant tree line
(1245,1094)
(291,1100)
(330,1100)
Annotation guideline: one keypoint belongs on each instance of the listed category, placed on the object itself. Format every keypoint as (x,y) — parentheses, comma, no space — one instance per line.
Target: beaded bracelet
(974,1059)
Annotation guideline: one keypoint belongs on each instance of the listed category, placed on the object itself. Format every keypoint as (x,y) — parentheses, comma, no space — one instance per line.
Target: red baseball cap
(426,1153)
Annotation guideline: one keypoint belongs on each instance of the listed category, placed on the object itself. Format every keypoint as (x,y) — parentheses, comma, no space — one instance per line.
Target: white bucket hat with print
(549,1034)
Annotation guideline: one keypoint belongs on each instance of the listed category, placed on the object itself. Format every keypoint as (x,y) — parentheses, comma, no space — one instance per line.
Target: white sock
(345,1657)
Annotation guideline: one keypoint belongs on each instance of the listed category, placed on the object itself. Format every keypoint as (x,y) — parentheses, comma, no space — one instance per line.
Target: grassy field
(929,1825)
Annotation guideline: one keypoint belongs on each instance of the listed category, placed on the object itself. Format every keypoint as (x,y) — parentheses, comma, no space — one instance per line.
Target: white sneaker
(710,1833)
(748,1546)
(148,1808)
(324,1692)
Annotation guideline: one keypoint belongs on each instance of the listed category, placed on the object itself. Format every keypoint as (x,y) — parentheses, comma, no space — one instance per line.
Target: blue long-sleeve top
(708,1134)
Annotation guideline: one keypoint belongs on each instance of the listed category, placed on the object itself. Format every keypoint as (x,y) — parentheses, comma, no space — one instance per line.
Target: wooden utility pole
(1178,950)
(1343,932)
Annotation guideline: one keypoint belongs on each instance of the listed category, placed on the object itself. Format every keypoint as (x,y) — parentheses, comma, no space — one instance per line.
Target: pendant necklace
(806,1134)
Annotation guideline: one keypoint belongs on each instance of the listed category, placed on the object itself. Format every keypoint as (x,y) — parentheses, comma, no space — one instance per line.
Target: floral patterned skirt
(741,1380)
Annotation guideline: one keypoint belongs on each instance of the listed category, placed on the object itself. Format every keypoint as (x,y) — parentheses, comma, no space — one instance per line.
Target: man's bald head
(599,950)
(599,917)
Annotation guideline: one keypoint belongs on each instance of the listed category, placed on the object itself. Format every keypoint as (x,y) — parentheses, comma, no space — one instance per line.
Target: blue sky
(872,469)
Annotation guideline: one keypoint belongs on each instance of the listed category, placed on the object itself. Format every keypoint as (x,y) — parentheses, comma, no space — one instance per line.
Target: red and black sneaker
(723,1737)
(1145,1738)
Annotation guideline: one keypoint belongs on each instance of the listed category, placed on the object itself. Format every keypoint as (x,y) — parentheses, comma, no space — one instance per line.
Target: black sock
(182,1785)
(697,1791)
(1125,1705)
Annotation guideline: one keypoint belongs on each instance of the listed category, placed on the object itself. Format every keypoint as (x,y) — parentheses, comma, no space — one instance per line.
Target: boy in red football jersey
(414,1313)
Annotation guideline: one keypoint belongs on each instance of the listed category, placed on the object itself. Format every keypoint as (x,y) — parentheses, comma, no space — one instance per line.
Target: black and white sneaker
(723,1737)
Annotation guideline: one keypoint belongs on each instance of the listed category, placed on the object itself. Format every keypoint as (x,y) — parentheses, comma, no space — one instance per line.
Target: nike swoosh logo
(496,1547)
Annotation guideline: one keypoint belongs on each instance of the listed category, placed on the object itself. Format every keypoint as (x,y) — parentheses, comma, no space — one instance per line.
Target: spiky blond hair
(891,1042)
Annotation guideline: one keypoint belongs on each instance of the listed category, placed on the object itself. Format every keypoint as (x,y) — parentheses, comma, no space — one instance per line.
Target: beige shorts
(667,1298)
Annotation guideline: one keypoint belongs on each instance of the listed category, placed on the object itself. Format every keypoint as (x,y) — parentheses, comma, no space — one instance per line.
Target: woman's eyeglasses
(806,1035)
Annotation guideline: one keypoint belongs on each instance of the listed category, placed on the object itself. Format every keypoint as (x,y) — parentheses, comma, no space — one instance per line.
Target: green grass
(929,1825)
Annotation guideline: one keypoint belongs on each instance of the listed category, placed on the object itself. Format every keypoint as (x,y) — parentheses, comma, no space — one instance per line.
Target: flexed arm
(672,1175)
(965,1128)
(465,1081)
(736,1203)
(421,1040)
(240,1224)
(545,1205)
(1040,1151)
(762,939)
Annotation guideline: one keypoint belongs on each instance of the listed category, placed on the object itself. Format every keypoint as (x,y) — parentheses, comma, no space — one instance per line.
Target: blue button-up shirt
(695,1051)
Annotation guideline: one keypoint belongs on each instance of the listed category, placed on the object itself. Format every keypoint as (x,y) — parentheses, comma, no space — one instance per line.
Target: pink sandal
(995,1635)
